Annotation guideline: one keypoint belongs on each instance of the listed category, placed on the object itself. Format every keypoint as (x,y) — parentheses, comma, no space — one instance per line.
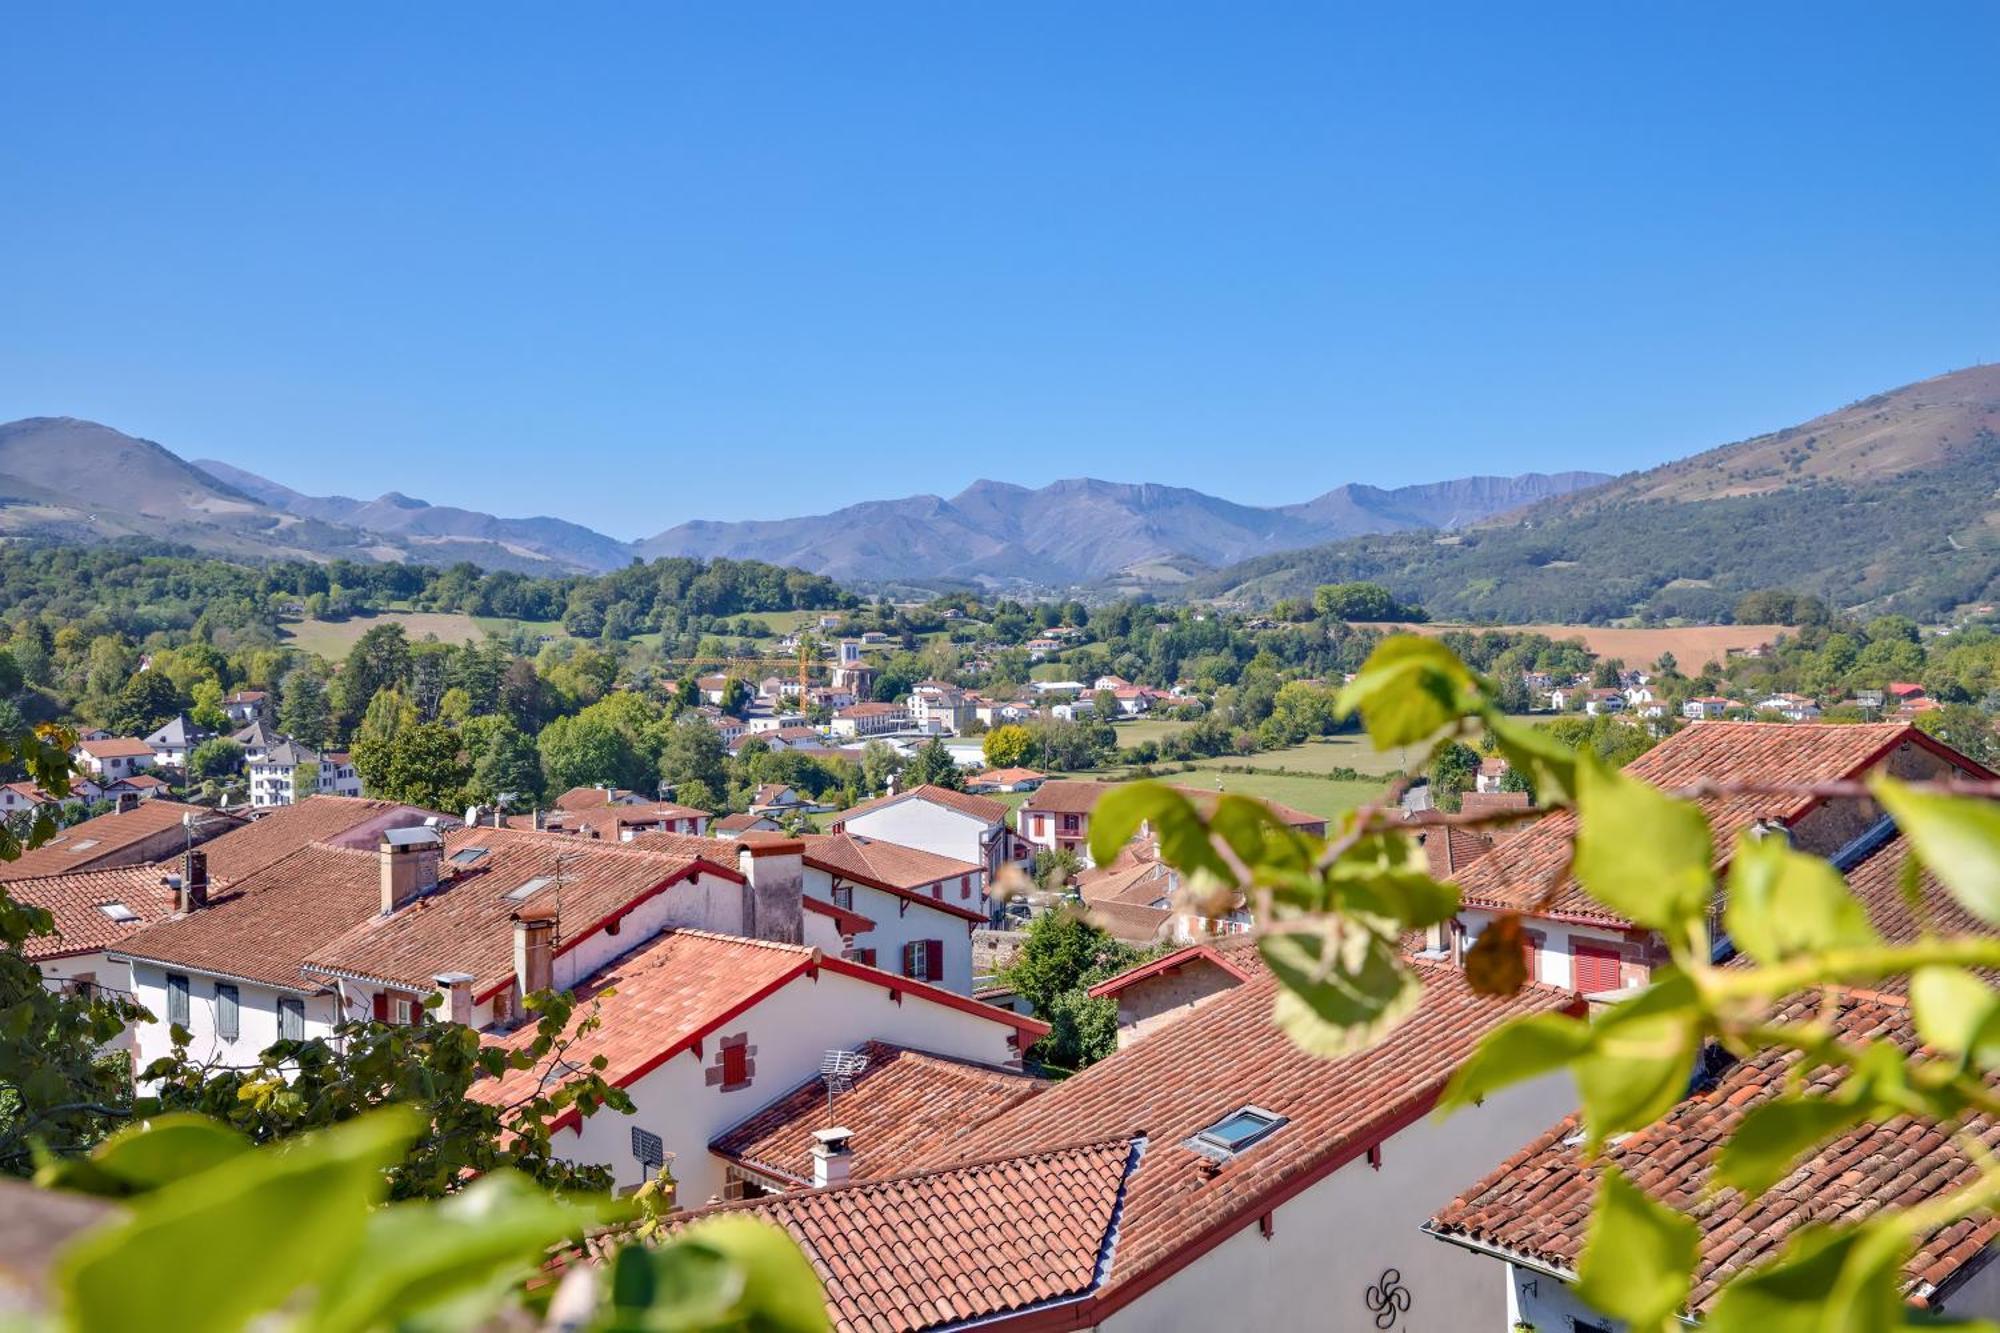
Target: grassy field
(332,638)
(1319,796)
(1693,646)
(1144,729)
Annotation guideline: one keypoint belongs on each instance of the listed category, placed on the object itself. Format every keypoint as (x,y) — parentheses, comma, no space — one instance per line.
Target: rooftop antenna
(838,1070)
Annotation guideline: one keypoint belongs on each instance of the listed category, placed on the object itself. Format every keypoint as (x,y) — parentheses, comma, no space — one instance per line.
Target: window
(118,912)
(291,1018)
(228,1011)
(467,856)
(177,999)
(843,897)
(530,889)
(965,886)
(1236,1131)
(1070,823)
(865,957)
(1595,966)
(923,960)
(735,1066)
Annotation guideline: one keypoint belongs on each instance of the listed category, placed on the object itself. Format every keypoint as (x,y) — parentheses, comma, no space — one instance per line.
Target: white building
(940,821)
(113,757)
(288,772)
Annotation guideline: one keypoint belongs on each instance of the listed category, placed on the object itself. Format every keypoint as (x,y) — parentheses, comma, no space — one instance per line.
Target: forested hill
(1887,504)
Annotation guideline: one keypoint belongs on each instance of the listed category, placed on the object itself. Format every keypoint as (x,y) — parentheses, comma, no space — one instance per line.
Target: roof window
(83,846)
(467,856)
(1236,1131)
(530,889)
(118,912)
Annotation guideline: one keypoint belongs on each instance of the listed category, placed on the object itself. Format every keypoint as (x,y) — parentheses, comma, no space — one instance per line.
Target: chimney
(534,949)
(194,881)
(410,859)
(128,801)
(456,987)
(774,897)
(833,1157)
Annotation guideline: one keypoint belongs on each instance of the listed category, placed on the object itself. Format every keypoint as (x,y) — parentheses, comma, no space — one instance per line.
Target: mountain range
(1888,503)
(76,480)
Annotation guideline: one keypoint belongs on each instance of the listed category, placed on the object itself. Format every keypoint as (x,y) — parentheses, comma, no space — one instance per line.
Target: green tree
(206,711)
(148,702)
(1965,729)
(933,766)
(504,761)
(306,714)
(1360,601)
(582,751)
(1063,952)
(379,660)
(216,757)
(426,767)
(1454,770)
(879,763)
(694,752)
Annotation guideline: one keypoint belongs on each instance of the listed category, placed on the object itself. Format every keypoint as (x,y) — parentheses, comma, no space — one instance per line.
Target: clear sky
(637,264)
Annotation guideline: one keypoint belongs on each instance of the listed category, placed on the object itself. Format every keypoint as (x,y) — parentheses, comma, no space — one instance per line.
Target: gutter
(173,966)
(1518,1260)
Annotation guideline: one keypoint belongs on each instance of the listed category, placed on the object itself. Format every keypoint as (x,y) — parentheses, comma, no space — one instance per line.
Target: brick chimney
(833,1156)
(456,987)
(774,901)
(534,949)
(128,801)
(194,881)
(411,858)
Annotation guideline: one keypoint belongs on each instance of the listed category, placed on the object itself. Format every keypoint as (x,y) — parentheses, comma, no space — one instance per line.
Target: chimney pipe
(456,987)
(128,801)
(534,950)
(410,859)
(194,881)
(833,1157)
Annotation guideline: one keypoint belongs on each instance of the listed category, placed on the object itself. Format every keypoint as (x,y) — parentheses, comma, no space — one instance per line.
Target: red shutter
(933,960)
(1595,966)
(381,1007)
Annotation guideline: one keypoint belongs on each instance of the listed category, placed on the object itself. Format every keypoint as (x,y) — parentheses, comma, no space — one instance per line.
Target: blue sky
(636,264)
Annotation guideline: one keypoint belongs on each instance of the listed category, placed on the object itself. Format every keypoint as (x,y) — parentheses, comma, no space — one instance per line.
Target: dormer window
(1236,1131)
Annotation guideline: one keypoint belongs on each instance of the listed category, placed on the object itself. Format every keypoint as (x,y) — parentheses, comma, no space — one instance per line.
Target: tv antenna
(838,1070)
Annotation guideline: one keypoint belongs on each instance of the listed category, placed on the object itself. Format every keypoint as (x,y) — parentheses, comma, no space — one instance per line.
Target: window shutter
(933,959)
(228,1012)
(177,999)
(291,1019)
(1595,967)
(381,1006)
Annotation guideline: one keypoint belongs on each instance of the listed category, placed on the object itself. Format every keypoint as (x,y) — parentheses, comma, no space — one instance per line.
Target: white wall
(894,929)
(1330,1244)
(257,1018)
(1554,967)
(790,1032)
(937,829)
(1544,1303)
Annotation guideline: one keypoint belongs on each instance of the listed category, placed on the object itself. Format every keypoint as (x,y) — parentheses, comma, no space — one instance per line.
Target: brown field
(1693,646)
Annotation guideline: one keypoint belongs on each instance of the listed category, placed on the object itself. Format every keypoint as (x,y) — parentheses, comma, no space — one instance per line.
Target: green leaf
(1256,834)
(214,1250)
(1525,1048)
(1640,1058)
(1333,1001)
(1956,1013)
(1545,761)
(1824,1281)
(781,1293)
(147,1155)
(1410,689)
(1783,903)
(419,1254)
(1638,1258)
(1770,1139)
(1639,851)
(1182,835)
(1957,837)
(683,1284)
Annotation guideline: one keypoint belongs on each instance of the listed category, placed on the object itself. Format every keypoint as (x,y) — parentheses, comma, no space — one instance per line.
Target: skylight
(467,856)
(530,889)
(83,846)
(1237,1131)
(118,912)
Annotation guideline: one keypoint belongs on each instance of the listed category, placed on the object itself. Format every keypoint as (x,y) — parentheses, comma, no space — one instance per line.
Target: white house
(940,821)
(870,719)
(289,772)
(113,757)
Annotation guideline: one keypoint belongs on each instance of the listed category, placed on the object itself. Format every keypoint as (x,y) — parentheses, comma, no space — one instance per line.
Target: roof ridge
(778,946)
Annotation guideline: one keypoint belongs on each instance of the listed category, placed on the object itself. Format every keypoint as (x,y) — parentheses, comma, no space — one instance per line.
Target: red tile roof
(1537,1203)
(1069,796)
(75,901)
(887,866)
(107,840)
(899,1106)
(466,926)
(1188,1076)
(960,1243)
(1521,866)
(285,829)
(979,807)
(1008,776)
(264,926)
(1228,960)
(849,924)
(115,747)
(685,983)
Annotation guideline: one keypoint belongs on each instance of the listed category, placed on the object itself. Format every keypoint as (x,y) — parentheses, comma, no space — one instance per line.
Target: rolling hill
(1887,503)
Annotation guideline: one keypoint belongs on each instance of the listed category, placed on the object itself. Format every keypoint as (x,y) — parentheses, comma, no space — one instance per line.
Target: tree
(694,752)
(1007,746)
(148,702)
(879,763)
(216,757)
(1454,771)
(426,767)
(504,761)
(1063,952)
(1053,869)
(1965,729)
(379,660)
(582,752)
(1361,601)
(206,712)
(306,715)
(933,766)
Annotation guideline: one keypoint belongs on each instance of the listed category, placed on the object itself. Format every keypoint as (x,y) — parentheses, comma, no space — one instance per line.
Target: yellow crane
(808,657)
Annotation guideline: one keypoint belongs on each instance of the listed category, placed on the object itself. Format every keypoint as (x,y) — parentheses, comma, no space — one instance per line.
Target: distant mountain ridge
(1085,531)
(1891,502)
(81,481)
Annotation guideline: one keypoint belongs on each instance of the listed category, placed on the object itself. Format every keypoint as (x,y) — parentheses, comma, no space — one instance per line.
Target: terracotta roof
(115,747)
(466,925)
(608,822)
(1489,802)
(1537,1203)
(589,798)
(1143,882)
(106,840)
(849,924)
(899,1106)
(960,1243)
(28,791)
(1231,960)
(1449,848)
(738,823)
(1188,1076)
(267,837)
(1521,866)
(264,926)
(979,807)
(1133,922)
(1070,796)
(76,902)
(1008,776)
(140,782)
(683,984)
(895,869)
